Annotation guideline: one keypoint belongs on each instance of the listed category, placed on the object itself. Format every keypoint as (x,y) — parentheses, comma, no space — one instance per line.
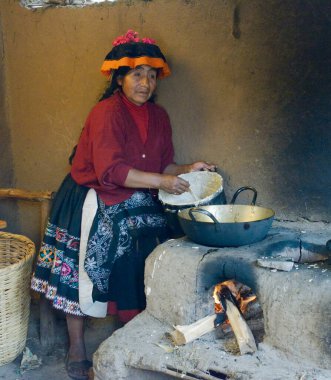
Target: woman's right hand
(167,182)
(173,184)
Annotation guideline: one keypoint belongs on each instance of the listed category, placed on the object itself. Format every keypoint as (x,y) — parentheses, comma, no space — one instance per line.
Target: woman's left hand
(202,165)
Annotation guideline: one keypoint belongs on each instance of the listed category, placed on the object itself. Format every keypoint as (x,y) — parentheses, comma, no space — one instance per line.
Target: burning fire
(239,294)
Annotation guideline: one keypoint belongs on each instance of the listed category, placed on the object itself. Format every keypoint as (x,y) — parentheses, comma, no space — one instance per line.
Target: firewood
(228,296)
(186,333)
(58,2)
(253,311)
(242,332)
(256,325)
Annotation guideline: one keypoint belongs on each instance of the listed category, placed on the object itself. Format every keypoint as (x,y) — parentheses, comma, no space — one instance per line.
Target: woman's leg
(77,350)
(77,365)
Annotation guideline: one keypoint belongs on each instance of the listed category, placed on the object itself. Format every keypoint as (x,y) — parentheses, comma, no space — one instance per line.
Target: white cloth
(94,309)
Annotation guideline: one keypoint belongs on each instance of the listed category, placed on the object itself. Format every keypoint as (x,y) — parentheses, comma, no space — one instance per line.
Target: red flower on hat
(130,37)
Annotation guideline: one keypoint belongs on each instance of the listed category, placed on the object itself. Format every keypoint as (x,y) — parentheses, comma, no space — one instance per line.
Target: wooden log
(256,324)
(192,374)
(186,333)
(58,2)
(47,325)
(47,316)
(21,194)
(242,332)
(44,213)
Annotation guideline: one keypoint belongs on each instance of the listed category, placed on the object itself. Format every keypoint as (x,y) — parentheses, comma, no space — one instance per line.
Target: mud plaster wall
(6,157)
(250,91)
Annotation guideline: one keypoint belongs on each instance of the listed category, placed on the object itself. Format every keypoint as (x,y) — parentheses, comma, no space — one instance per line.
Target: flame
(241,293)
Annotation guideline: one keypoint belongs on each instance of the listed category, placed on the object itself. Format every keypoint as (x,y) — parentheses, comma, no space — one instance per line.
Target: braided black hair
(114,86)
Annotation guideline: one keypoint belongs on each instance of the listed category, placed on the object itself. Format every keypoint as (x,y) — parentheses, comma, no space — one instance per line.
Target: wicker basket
(16,257)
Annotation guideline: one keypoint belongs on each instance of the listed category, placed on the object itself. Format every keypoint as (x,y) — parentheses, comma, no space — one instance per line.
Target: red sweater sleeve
(108,150)
(100,150)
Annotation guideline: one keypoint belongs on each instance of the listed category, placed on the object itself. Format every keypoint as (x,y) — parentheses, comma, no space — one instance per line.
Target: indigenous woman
(124,155)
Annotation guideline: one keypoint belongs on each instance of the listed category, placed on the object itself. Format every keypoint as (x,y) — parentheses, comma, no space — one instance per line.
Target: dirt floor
(52,365)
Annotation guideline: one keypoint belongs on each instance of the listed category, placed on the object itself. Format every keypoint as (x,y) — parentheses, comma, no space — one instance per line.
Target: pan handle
(234,198)
(202,211)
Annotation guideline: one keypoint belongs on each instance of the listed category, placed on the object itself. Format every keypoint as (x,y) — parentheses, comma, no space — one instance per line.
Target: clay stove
(179,277)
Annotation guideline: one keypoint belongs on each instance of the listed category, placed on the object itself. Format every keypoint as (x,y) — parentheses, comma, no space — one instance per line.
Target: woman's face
(139,84)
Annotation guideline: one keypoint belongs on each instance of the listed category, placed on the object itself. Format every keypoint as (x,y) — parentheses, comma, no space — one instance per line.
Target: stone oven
(179,279)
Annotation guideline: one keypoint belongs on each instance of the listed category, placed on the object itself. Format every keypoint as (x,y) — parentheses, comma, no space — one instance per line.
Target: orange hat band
(157,63)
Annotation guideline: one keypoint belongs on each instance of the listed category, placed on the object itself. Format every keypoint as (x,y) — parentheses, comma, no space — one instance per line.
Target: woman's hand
(202,165)
(173,184)
(167,182)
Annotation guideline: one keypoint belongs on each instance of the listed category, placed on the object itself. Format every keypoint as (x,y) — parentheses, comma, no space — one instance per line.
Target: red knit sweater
(110,145)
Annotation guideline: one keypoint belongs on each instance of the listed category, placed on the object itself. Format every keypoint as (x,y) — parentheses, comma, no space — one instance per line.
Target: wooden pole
(47,325)
(21,194)
(47,316)
(44,213)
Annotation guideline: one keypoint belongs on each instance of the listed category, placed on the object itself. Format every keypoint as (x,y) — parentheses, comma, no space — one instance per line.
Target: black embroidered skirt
(56,273)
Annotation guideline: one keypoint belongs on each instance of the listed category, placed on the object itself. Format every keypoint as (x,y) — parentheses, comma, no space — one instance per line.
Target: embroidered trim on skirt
(56,273)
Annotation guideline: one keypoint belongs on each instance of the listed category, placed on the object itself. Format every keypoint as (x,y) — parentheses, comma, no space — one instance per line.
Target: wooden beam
(37,196)
(47,325)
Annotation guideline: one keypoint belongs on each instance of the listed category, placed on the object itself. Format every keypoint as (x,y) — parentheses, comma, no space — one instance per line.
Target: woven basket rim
(30,251)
